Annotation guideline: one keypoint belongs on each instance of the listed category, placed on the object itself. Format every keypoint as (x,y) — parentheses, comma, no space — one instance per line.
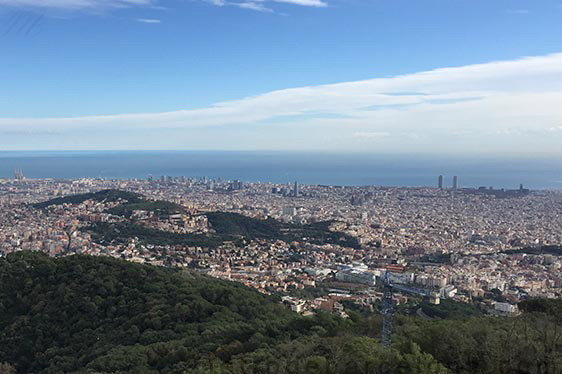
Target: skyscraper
(440,182)
(455,182)
(296,190)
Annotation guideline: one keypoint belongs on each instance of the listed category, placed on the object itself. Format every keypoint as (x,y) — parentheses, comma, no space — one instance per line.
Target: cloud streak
(260,5)
(84,4)
(313,3)
(148,20)
(74,4)
(497,106)
(254,6)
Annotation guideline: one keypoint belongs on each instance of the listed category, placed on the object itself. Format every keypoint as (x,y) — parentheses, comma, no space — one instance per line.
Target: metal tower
(387,313)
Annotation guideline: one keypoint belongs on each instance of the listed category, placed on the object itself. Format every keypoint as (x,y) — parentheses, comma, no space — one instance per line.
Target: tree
(6,368)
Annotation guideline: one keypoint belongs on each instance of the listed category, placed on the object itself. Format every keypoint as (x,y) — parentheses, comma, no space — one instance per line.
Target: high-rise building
(455,182)
(236,185)
(440,182)
(296,190)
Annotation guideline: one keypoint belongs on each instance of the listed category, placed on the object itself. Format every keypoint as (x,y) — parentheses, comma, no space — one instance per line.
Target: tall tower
(387,313)
(296,190)
(440,182)
(455,182)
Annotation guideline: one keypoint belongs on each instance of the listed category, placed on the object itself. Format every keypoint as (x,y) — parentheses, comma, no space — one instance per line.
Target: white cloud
(315,3)
(217,2)
(373,135)
(254,6)
(74,4)
(148,20)
(498,106)
(259,5)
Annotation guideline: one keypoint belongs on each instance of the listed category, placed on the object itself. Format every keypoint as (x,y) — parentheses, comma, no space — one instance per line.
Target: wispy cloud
(74,4)
(254,6)
(260,5)
(496,106)
(372,135)
(217,2)
(148,20)
(314,3)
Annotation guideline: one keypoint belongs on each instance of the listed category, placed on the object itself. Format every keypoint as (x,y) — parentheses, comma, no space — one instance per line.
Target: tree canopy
(81,314)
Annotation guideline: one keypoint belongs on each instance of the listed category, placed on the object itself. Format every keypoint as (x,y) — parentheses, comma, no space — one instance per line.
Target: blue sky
(154,73)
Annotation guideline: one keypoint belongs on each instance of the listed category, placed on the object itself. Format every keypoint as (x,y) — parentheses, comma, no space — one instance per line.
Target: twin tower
(455,182)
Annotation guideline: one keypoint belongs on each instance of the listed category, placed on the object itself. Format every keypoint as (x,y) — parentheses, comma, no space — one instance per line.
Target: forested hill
(104,195)
(226,226)
(80,314)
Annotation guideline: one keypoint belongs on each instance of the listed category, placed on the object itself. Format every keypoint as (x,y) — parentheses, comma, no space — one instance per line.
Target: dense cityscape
(489,247)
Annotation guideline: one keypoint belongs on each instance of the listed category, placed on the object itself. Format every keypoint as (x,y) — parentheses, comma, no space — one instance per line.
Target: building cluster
(450,242)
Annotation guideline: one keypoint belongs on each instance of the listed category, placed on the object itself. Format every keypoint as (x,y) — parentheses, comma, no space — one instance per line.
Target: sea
(336,169)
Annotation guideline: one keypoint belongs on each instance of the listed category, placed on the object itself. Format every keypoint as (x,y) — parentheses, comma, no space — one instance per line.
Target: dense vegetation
(105,195)
(545,249)
(449,309)
(226,226)
(237,225)
(160,208)
(122,232)
(82,314)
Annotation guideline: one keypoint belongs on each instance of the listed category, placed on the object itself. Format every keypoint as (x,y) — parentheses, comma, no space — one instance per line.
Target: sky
(388,76)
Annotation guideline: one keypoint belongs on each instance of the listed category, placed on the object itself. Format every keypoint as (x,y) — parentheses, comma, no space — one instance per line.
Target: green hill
(105,195)
(82,314)
(226,226)
(120,233)
(160,208)
(232,224)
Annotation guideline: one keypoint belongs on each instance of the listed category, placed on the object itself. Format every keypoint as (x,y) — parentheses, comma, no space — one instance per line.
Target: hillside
(236,225)
(160,208)
(120,233)
(105,195)
(225,226)
(82,314)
